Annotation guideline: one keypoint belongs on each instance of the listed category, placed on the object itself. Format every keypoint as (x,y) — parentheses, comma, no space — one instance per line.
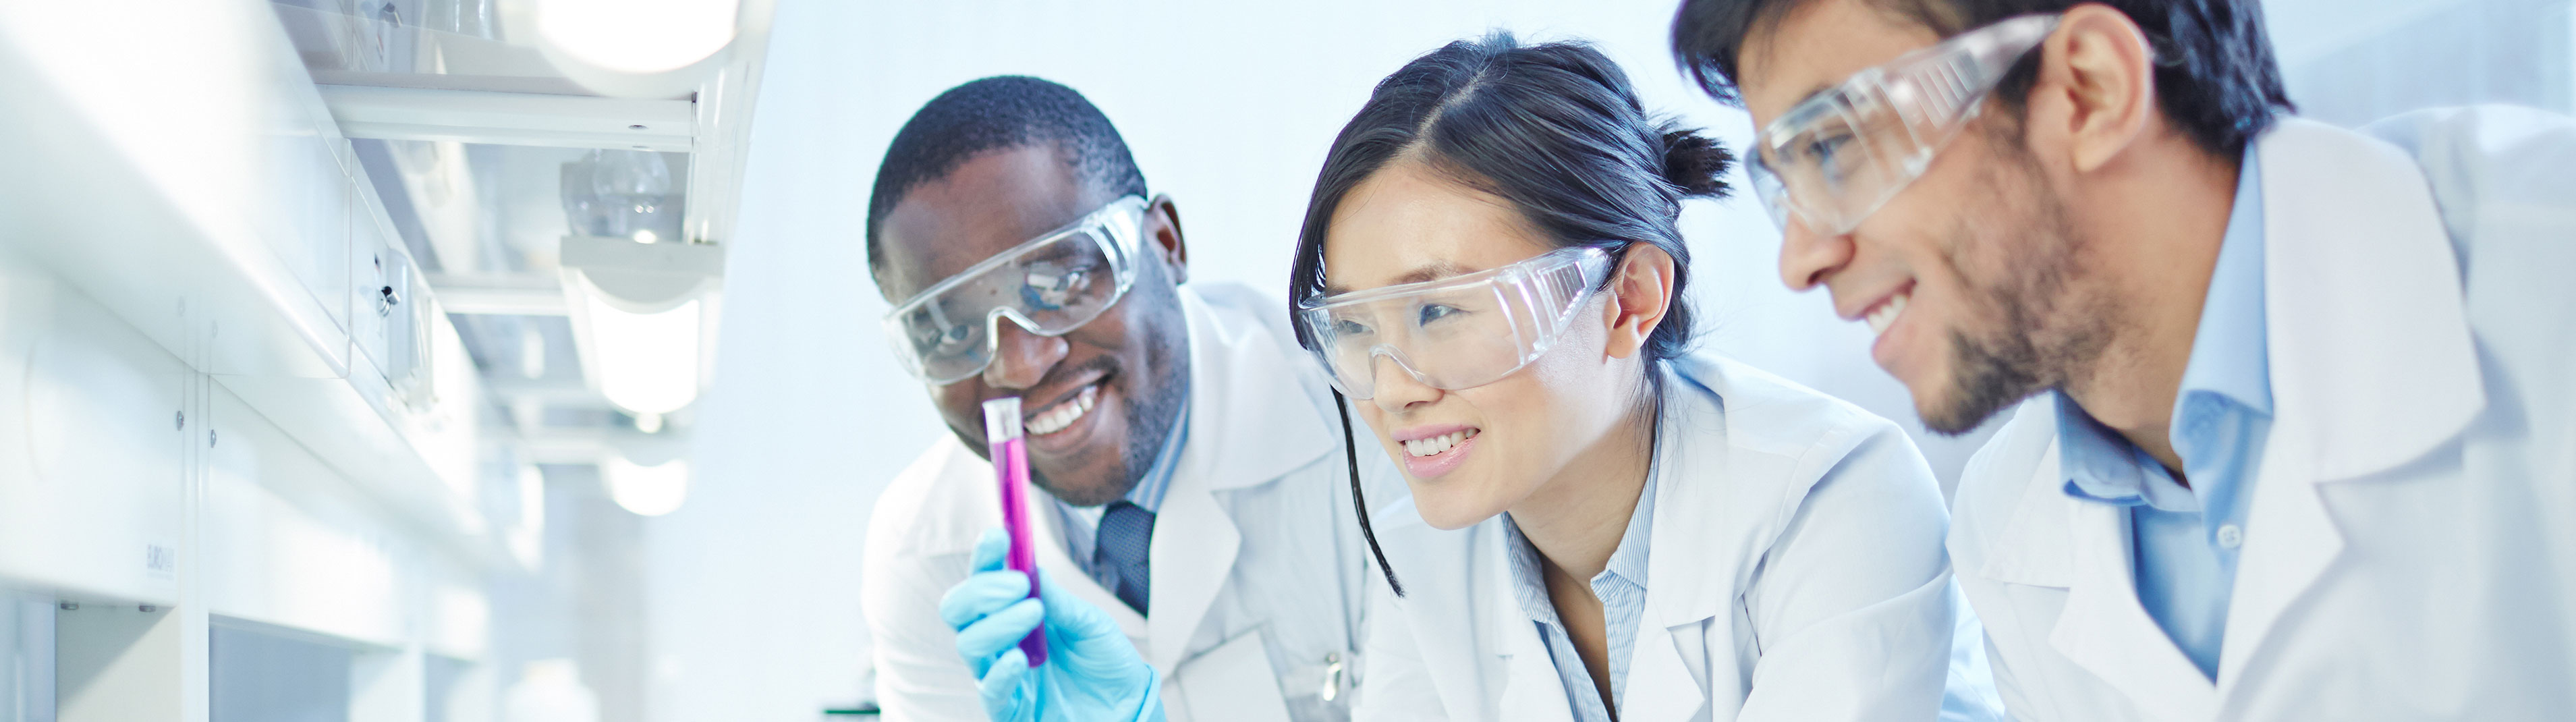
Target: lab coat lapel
(2104,629)
(2058,542)
(1193,552)
(1247,428)
(1531,690)
(1662,686)
(1444,574)
(2372,362)
(1686,585)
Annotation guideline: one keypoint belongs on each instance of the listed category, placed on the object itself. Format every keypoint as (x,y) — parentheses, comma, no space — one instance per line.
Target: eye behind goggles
(1458,332)
(1834,159)
(1050,285)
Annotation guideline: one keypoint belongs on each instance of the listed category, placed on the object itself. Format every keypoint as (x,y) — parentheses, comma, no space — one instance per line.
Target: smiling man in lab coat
(2296,436)
(1196,484)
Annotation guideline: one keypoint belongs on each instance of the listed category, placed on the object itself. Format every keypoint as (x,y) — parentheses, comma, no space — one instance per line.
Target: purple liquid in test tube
(1009,450)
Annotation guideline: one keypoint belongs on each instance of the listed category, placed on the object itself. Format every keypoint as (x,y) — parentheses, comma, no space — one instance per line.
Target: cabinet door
(93,446)
(287,541)
(394,316)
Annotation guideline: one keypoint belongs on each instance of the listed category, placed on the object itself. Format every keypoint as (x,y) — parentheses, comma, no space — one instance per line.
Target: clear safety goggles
(1050,285)
(1453,333)
(1840,155)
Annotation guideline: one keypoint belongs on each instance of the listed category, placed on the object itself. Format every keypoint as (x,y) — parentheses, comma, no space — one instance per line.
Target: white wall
(753,610)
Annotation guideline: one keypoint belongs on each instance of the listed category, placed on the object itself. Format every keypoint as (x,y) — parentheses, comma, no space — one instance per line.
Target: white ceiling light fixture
(634,48)
(648,362)
(642,312)
(642,316)
(646,490)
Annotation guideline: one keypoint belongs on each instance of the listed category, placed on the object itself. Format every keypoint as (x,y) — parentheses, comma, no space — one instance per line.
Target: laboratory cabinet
(238,437)
(94,437)
(148,514)
(250,467)
(187,160)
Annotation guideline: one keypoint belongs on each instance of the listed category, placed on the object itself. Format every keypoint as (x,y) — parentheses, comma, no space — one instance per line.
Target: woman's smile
(1433,451)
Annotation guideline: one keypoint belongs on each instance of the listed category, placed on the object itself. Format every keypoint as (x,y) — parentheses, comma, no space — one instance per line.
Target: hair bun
(1695,163)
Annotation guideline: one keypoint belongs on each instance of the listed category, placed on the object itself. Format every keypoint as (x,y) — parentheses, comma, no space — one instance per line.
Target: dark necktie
(1126,532)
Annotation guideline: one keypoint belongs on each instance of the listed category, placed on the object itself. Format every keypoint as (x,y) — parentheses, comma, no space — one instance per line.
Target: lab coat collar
(2373,365)
(2055,540)
(2368,324)
(1706,456)
(2105,630)
(1697,390)
(1251,421)
(2371,360)
(1439,567)
(1531,690)
(1251,417)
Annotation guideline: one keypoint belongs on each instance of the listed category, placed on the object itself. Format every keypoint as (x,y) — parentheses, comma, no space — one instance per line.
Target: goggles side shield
(1454,333)
(1837,157)
(1049,285)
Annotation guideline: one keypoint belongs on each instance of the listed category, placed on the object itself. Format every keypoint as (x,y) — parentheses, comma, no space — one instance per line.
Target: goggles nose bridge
(993,325)
(1396,356)
(993,333)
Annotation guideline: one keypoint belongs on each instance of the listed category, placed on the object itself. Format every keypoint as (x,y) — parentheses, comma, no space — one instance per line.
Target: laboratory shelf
(234,407)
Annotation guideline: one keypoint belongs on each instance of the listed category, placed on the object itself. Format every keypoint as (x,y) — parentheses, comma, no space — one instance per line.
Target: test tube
(1009,451)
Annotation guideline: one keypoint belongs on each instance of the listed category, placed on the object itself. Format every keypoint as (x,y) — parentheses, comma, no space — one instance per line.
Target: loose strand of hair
(1359,499)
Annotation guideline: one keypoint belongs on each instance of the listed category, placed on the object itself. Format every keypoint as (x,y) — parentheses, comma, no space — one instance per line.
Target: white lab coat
(1258,578)
(1795,574)
(2410,551)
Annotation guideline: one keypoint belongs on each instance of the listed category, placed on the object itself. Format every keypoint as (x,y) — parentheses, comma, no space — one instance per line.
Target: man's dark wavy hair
(2216,77)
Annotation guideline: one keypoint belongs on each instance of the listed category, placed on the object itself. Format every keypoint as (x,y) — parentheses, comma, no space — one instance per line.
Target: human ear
(1163,233)
(1640,293)
(2098,64)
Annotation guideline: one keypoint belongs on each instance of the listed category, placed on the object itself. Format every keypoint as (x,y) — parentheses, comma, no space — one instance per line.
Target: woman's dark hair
(1554,129)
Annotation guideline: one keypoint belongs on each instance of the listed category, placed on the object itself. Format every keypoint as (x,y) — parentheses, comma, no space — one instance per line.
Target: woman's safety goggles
(1838,156)
(1454,333)
(1050,285)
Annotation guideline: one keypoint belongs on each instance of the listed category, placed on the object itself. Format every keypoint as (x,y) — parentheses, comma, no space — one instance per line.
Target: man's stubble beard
(1155,406)
(2050,319)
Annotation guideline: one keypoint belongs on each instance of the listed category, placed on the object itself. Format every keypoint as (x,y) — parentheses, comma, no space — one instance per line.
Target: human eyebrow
(1432,271)
(1812,94)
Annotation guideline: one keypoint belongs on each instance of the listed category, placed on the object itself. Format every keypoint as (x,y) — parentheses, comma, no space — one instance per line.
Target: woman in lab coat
(1608,526)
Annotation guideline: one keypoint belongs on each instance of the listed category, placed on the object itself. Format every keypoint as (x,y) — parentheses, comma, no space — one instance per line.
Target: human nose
(1396,388)
(1021,358)
(1808,258)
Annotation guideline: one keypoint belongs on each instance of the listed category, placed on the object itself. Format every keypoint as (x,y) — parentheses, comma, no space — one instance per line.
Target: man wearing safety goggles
(2299,405)
(1194,478)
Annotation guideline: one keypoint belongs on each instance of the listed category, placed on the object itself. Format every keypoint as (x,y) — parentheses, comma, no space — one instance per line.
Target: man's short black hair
(999,113)
(2215,73)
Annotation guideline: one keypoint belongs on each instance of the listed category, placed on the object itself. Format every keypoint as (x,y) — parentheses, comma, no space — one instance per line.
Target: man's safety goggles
(1050,285)
(1838,156)
(1454,333)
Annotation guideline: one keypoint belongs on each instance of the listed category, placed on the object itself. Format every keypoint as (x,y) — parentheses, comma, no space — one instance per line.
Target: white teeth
(1435,445)
(1885,315)
(1055,418)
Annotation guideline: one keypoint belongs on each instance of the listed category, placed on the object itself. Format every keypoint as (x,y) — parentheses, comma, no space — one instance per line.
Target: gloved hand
(1092,671)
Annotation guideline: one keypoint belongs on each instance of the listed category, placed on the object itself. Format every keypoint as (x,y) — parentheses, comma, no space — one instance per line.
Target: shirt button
(2230,537)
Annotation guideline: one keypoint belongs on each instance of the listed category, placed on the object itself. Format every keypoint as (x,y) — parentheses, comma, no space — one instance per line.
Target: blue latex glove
(1092,671)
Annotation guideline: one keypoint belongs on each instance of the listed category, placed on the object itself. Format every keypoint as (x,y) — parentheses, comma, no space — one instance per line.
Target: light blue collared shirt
(1621,587)
(2186,539)
(1082,523)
